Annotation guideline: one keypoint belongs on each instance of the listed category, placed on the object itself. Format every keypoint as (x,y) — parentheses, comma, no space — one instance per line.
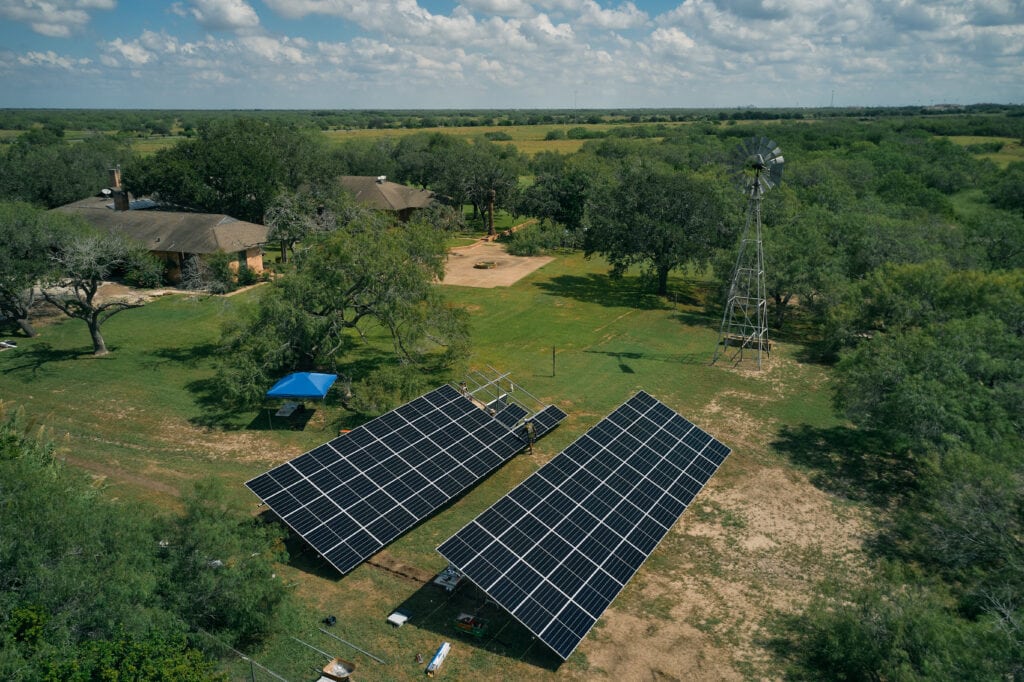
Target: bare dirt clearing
(461,271)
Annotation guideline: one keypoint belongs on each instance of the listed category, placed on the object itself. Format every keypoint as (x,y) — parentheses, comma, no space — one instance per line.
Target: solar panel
(510,415)
(558,548)
(546,419)
(353,495)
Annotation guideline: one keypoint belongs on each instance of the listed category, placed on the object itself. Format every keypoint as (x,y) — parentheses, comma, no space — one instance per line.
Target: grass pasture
(528,139)
(755,543)
(1010,151)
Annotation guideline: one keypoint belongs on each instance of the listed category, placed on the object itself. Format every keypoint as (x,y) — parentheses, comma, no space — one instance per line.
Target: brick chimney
(120,195)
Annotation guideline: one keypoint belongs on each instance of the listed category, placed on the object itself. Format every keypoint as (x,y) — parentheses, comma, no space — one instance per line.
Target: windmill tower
(745,321)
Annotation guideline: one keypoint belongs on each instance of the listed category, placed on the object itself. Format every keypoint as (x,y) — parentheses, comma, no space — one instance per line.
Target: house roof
(380,193)
(171,230)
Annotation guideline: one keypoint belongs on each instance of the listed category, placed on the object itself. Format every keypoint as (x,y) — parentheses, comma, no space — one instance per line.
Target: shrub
(539,239)
(498,136)
(147,274)
(247,276)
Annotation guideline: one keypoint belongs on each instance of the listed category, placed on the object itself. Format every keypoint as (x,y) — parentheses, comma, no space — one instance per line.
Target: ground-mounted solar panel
(557,549)
(545,420)
(353,495)
(510,415)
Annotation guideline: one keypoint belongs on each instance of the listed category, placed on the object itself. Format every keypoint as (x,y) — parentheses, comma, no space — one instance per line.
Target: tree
(482,174)
(50,172)
(420,159)
(942,367)
(95,590)
(560,188)
(29,236)
(218,567)
(294,216)
(799,259)
(234,166)
(1006,191)
(660,219)
(82,264)
(369,272)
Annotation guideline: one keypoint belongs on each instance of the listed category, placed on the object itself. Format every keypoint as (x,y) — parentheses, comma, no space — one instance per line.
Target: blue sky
(408,54)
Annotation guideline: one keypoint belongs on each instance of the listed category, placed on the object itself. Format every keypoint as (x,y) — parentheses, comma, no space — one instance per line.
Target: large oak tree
(660,219)
(364,275)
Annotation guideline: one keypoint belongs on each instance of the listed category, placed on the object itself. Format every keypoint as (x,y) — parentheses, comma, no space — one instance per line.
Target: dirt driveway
(507,269)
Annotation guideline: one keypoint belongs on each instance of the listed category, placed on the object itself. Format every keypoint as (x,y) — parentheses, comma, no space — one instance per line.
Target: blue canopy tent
(300,386)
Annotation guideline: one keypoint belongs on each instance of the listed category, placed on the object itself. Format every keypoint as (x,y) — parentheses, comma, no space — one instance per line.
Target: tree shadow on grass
(601,289)
(853,463)
(189,356)
(672,358)
(214,414)
(33,358)
(433,608)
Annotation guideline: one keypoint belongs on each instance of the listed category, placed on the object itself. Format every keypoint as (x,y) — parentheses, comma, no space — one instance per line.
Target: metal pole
(243,657)
(352,645)
(314,648)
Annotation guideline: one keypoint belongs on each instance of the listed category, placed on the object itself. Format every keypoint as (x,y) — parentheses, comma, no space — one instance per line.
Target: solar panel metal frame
(557,549)
(351,496)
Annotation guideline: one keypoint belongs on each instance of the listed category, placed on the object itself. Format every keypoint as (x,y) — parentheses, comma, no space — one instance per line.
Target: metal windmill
(745,322)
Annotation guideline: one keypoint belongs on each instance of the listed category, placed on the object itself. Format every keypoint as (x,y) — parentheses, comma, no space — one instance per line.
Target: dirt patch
(461,269)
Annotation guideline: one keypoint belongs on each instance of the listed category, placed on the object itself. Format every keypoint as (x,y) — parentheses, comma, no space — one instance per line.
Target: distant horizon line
(746,107)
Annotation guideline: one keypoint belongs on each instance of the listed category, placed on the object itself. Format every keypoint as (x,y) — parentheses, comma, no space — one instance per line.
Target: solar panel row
(353,495)
(356,493)
(557,549)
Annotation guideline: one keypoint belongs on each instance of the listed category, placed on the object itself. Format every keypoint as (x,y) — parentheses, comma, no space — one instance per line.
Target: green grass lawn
(138,421)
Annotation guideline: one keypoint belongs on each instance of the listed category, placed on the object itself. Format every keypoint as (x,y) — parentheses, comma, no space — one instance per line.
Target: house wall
(172,260)
(253,259)
(172,264)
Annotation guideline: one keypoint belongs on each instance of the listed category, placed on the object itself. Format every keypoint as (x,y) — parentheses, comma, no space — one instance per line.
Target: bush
(148,274)
(386,388)
(581,133)
(539,239)
(218,276)
(247,276)
(498,136)
(557,134)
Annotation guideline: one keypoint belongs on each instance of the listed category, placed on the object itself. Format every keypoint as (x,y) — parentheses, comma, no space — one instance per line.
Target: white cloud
(520,9)
(224,15)
(273,49)
(541,28)
(672,40)
(52,59)
(132,51)
(52,18)
(158,42)
(627,16)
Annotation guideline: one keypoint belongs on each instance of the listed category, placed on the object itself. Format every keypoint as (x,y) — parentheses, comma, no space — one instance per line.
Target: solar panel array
(353,495)
(559,547)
